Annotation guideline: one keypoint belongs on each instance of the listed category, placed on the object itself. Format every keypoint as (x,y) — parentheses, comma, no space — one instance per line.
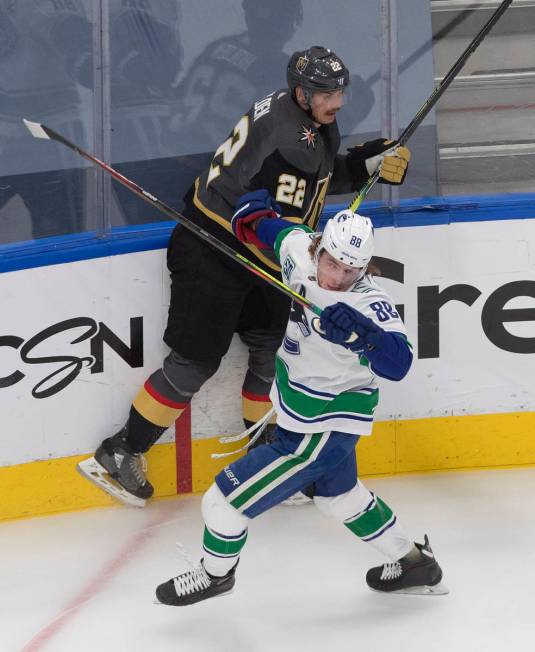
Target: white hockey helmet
(348,237)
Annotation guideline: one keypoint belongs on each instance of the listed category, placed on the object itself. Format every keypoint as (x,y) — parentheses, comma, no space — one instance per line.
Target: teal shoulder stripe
(280,237)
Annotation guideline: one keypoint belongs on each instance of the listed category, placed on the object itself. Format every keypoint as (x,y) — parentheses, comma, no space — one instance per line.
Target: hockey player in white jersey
(324,394)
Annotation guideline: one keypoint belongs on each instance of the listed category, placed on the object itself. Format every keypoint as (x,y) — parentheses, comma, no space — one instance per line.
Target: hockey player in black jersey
(287,143)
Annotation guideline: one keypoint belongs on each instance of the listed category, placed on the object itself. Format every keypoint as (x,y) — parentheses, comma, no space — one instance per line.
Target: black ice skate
(418,576)
(265,434)
(193,586)
(118,471)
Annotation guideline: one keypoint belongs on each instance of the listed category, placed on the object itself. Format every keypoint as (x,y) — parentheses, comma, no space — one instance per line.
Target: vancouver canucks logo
(309,136)
(299,318)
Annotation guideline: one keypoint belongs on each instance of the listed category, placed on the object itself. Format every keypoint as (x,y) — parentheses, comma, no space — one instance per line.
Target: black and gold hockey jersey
(275,146)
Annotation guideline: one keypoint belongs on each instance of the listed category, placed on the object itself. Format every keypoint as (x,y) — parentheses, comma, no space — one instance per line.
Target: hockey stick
(264,421)
(41,131)
(228,439)
(434,97)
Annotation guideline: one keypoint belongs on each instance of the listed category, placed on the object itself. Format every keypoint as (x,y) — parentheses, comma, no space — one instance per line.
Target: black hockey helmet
(317,69)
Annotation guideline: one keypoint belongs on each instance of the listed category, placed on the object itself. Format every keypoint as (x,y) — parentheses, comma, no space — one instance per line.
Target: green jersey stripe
(351,402)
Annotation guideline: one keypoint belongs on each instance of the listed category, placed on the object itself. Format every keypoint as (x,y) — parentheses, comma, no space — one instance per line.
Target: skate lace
(138,465)
(391,571)
(194,580)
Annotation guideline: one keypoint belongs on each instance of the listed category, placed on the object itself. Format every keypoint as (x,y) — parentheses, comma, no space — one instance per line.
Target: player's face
(324,106)
(335,275)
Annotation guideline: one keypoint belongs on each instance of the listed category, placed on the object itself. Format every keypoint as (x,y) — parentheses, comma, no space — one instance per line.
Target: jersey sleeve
(376,304)
(289,249)
(273,231)
(348,176)
(393,359)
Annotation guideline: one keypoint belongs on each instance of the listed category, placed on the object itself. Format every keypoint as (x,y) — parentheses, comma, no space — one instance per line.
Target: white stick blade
(35,129)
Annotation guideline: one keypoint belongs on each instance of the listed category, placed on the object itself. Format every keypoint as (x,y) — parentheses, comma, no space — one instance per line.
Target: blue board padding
(422,211)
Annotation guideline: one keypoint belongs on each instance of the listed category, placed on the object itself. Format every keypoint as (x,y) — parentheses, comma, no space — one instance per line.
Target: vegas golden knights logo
(301,64)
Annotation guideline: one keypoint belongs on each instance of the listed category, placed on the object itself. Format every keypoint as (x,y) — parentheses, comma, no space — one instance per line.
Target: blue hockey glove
(250,207)
(340,323)
(389,354)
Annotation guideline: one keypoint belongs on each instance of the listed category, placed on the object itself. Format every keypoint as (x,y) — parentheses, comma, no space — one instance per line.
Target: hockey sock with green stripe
(221,552)
(378,526)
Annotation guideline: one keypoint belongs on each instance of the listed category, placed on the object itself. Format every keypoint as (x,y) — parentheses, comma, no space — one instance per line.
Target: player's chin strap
(308,99)
(261,424)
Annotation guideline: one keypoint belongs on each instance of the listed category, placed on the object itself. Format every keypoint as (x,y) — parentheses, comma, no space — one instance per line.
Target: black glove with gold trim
(392,160)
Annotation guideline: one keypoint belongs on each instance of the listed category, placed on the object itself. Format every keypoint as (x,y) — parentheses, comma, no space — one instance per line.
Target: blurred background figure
(223,81)
(146,55)
(45,74)
(232,72)
(163,122)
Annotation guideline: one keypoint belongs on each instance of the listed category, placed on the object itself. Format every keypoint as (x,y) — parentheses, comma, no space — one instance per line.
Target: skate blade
(98,475)
(219,595)
(437,589)
(297,499)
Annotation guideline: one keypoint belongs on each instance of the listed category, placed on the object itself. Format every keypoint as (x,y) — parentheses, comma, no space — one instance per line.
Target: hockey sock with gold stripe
(156,406)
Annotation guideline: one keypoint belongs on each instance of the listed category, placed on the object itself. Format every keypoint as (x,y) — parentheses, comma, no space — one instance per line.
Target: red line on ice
(94,587)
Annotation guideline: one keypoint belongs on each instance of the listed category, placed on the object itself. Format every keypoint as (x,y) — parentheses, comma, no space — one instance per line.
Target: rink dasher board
(125,298)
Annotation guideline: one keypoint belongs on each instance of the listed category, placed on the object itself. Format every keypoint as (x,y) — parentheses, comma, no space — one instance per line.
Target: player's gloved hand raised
(392,160)
(340,323)
(249,208)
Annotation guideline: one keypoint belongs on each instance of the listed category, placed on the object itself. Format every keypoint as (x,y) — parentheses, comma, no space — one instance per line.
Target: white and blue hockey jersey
(321,386)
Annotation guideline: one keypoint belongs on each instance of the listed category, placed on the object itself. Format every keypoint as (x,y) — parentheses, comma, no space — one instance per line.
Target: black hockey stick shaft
(435,95)
(425,47)
(39,130)
(452,73)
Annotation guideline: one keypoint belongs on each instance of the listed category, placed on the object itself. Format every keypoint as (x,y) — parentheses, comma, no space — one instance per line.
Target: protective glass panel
(155,87)
(180,82)
(414,86)
(46,76)
(486,122)
(394,57)
(146,56)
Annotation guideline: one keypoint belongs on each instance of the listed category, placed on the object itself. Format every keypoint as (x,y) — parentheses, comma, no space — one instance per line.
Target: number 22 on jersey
(228,150)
